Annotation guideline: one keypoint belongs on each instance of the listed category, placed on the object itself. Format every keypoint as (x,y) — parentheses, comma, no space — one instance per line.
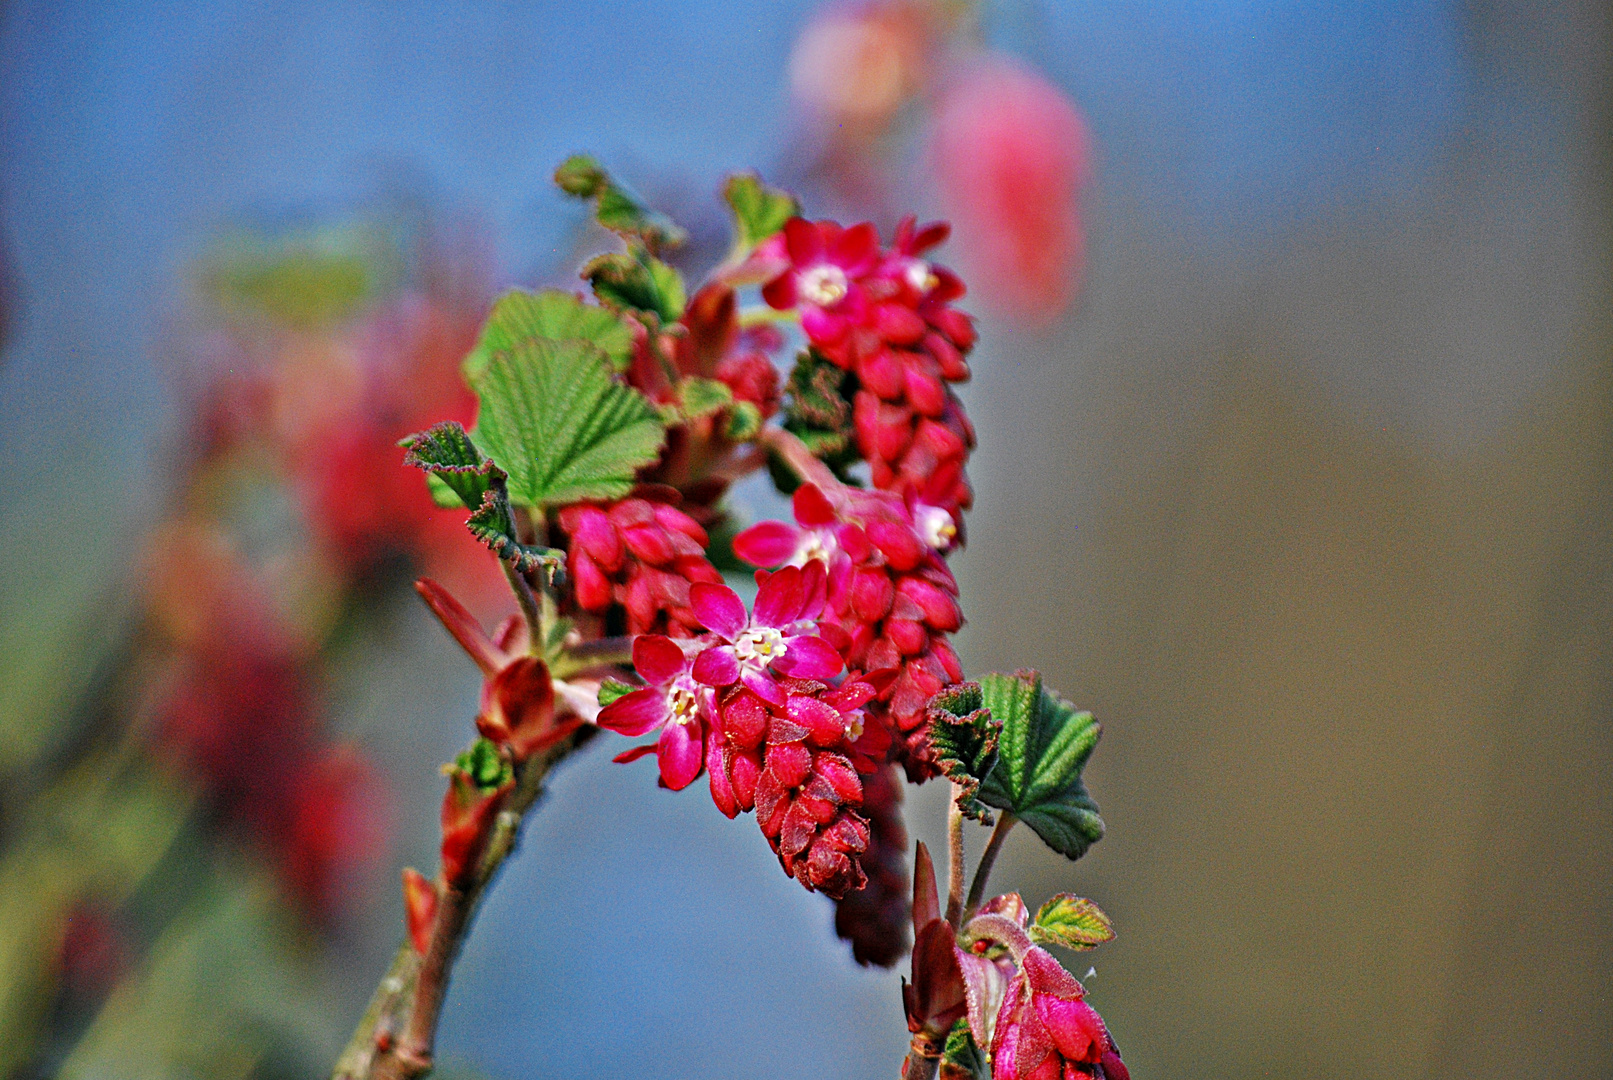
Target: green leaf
(964,735)
(962,1059)
(637,281)
(519,316)
(441,493)
(744,422)
(1073,922)
(1044,746)
(759,210)
(612,689)
(817,410)
(470,479)
(555,421)
(306,279)
(482,765)
(614,207)
(448,455)
(493,526)
(699,397)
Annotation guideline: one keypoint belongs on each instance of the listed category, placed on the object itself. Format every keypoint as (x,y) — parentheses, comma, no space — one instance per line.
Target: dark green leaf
(555,421)
(614,207)
(962,1059)
(744,422)
(1044,746)
(519,316)
(611,689)
(637,281)
(1073,922)
(447,454)
(964,734)
(759,210)
(817,410)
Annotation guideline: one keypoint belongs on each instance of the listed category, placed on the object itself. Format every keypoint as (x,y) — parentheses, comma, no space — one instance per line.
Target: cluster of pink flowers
(891,602)
(887,317)
(642,555)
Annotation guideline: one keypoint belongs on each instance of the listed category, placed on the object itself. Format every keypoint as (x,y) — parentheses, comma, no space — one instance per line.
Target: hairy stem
(394,1040)
(801,461)
(921,1063)
(954,859)
(977,888)
(524,597)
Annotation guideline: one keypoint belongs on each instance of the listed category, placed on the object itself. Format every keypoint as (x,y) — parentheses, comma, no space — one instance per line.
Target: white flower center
(921,277)
(936,526)
(817,544)
(759,646)
(823,286)
(854,725)
(683,702)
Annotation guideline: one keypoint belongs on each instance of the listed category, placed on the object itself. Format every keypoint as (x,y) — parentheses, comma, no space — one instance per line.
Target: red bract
(640,555)
(1045,1031)
(935,999)
(673,702)
(468,811)
(891,600)
(522,708)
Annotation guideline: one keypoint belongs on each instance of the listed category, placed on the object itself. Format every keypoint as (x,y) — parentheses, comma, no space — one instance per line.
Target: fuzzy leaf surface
(759,211)
(964,736)
(615,208)
(553,419)
(520,316)
(637,281)
(493,526)
(1073,922)
(962,1059)
(1044,746)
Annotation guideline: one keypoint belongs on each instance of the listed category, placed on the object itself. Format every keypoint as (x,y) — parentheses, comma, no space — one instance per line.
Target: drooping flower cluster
(751,700)
(891,599)
(887,317)
(642,555)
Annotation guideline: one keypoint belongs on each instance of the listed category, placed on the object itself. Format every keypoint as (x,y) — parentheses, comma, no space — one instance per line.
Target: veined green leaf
(637,281)
(612,689)
(554,420)
(962,1059)
(519,316)
(1073,922)
(1044,746)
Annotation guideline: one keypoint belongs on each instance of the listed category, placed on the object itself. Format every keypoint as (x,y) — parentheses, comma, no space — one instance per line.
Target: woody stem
(977,888)
(395,1039)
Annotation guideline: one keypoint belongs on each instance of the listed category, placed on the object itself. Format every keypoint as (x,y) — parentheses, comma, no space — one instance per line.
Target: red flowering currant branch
(614,429)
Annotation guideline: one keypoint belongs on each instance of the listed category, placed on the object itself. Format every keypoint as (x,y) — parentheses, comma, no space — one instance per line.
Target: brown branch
(395,1039)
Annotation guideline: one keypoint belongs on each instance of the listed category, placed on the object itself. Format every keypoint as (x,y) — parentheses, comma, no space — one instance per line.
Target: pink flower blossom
(777,639)
(827,265)
(673,702)
(1045,1031)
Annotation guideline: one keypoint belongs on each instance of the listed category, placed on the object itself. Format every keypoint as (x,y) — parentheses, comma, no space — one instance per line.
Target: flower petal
(681,753)
(634,753)
(634,714)
(778,601)
(809,657)
(718,608)
(717,666)
(761,684)
(812,507)
(768,543)
(658,659)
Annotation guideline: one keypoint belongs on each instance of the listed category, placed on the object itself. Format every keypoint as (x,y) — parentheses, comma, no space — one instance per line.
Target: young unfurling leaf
(759,210)
(614,207)
(553,418)
(635,280)
(964,736)
(1073,922)
(1044,746)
